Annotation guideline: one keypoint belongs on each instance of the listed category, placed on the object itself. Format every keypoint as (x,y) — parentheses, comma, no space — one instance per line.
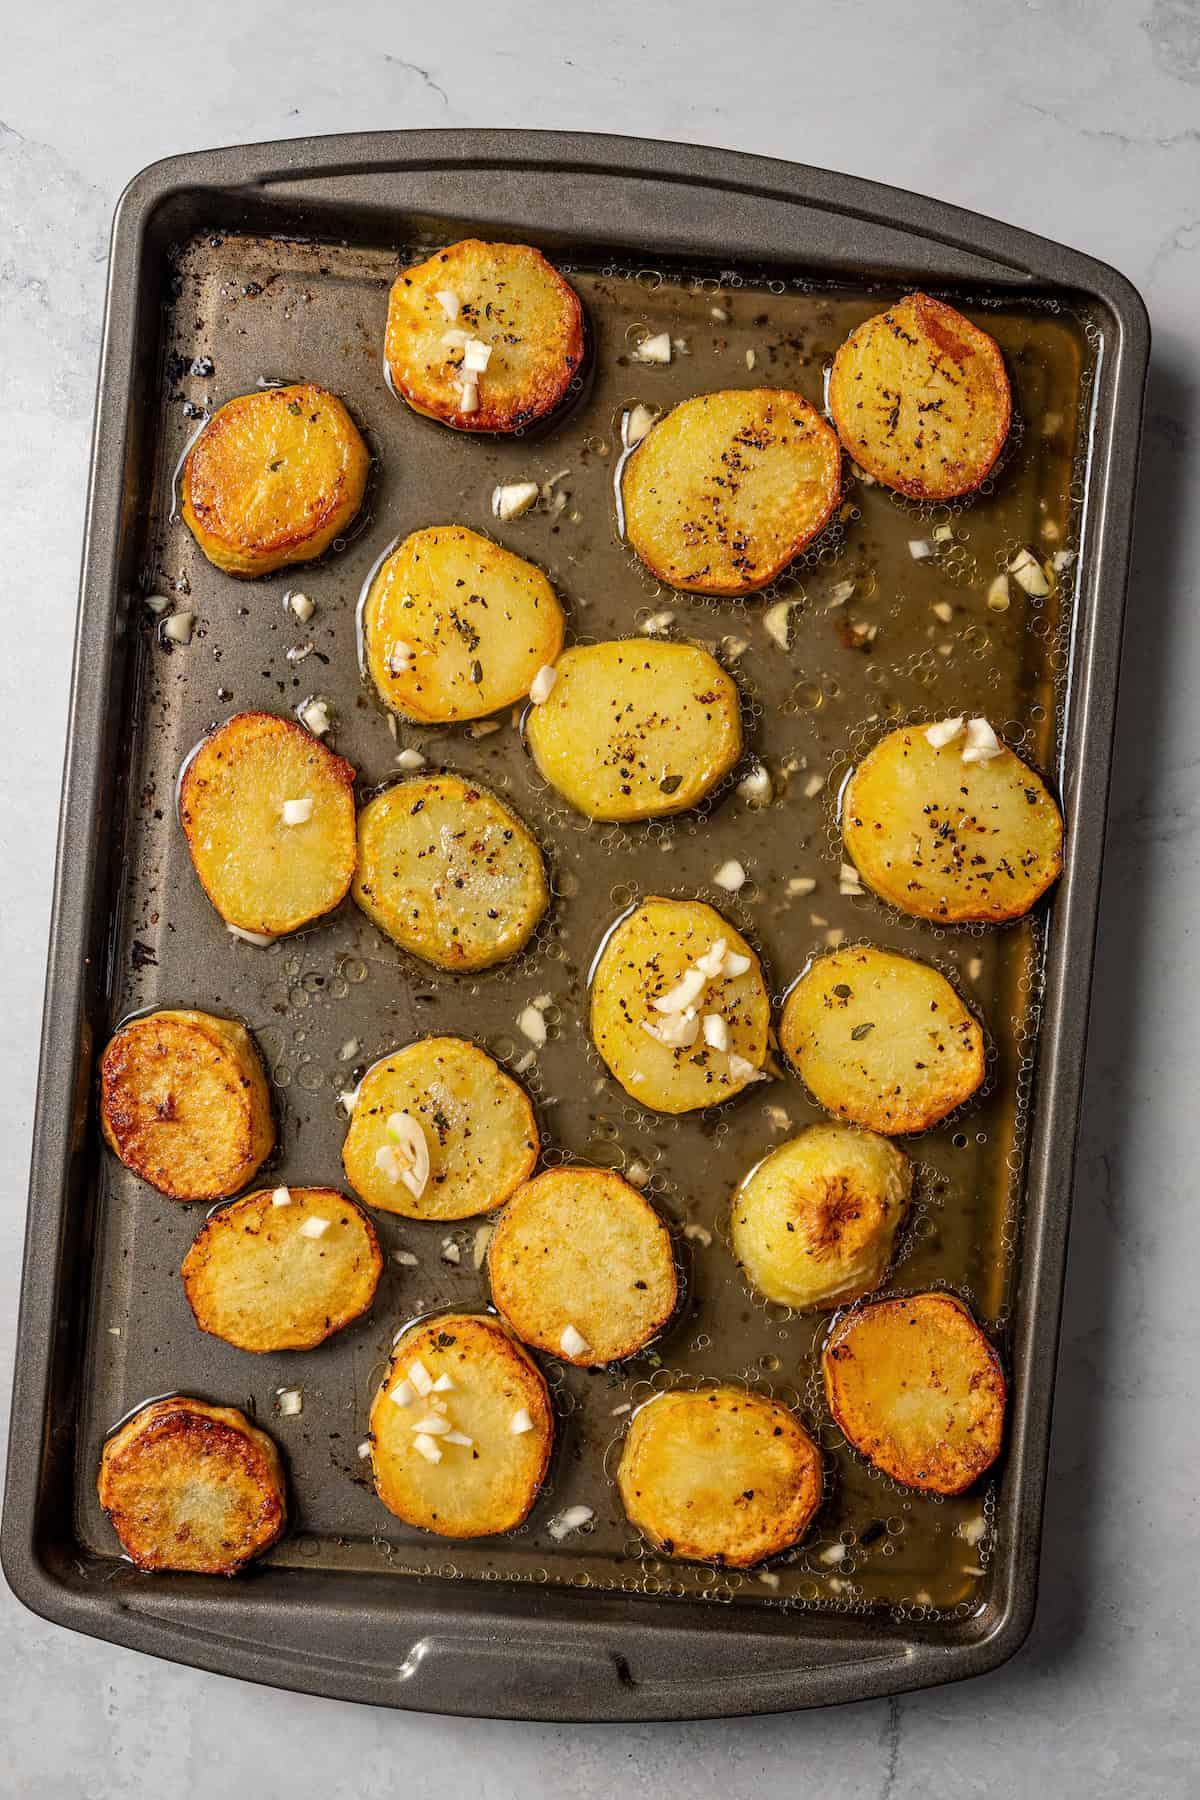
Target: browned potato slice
(282,1269)
(719,1475)
(268,813)
(649,958)
(496,1400)
(724,491)
(194,1487)
(581,1266)
(505,297)
(477,1123)
(917,1389)
(813,1225)
(454,627)
(946,839)
(184,1103)
(636,729)
(449,873)
(273,478)
(921,400)
(881,1040)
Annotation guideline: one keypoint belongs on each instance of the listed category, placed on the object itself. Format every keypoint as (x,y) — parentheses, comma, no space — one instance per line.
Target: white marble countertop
(1076,118)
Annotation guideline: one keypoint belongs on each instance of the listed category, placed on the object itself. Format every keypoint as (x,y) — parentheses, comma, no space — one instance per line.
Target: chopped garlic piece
(777,1118)
(468,403)
(451,1252)
(1029,574)
(459,1437)
(769,1578)
(347,1098)
(364,1450)
(716,1031)
(476,356)
(281,1197)
(740,1069)
(1062,560)
(479,1244)
(656,349)
(735,963)
(777,623)
(436,1424)
(637,1174)
(400,658)
(532,1025)
(315,717)
(420,1377)
(699,1234)
(291,1402)
(944,732)
(920,549)
(449,302)
(730,876)
(835,1554)
(712,963)
(406,1158)
(755,788)
(179,627)
(261,938)
(569,1520)
(542,685)
(751,359)
(813,786)
(427,1447)
(405,1258)
(678,1030)
(410,759)
(997,595)
(572,1342)
(298,812)
(511,499)
(973,1530)
(301,606)
(403,1394)
(801,884)
(520,1422)
(658,622)
(685,992)
(942,534)
(943,610)
(636,424)
(848,879)
(982,744)
(840,592)
(314,1227)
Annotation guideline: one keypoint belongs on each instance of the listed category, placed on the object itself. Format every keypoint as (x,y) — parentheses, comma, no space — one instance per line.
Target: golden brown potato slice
(719,1475)
(724,491)
(268,813)
(581,1266)
(477,1123)
(881,1040)
(918,1390)
(813,1225)
(454,627)
(636,729)
(194,1487)
(449,873)
(946,839)
(461,1428)
(666,970)
(282,1269)
(921,400)
(501,306)
(184,1103)
(273,478)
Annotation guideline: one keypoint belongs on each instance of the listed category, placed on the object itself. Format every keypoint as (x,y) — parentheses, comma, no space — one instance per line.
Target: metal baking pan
(273,262)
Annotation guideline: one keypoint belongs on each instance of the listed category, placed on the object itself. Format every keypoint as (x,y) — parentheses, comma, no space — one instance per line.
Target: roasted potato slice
(282,1269)
(946,839)
(184,1103)
(918,1390)
(454,627)
(273,478)
(725,490)
(881,1039)
(193,1487)
(719,1475)
(814,1224)
(636,729)
(449,873)
(652,999)
(477,1123)
(581,1266)
(921,399)
(501,305)
(467,1459)
(268,813)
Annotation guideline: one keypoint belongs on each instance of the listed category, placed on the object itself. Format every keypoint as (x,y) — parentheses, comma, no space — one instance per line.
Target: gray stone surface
(1077,118)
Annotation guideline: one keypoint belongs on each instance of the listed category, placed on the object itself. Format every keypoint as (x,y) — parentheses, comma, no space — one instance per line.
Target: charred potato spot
(946,840)
(477,1122)
(184,1104)
(449,873)
(192,1487)
(454,627)
(636,729)
(264,1276)
(580,1249)
(725,490)
(261,872)
(921,399)
(917,1389)
(881,1040)
(719,1475)
(273,478)
(645,958)
(814,1224)
(473,1489)
(505,296)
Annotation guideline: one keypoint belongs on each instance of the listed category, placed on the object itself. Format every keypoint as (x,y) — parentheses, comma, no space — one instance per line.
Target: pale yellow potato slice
(477,1123)
(455,627)
(944,839)
(719,1475)
(814,1223)
(581,1266)
(449,873)
(636,729)
(918,1390)
(497,1399)
(645,957)
(881,1040)
(725,490)
(263,873)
